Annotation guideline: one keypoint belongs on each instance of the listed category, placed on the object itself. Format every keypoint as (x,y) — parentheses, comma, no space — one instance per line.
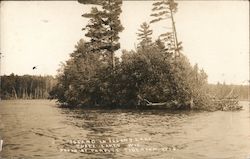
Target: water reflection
(39,129)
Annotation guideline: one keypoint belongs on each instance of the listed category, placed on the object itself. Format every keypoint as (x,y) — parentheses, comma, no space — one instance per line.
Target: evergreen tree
(144,35)
(163,10)
(78,79)
(95,31)
(104,28)
(112,11)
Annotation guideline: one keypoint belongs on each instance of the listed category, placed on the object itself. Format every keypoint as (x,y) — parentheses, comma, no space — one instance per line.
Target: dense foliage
(155,72)
(26,87)
(150,72)
(158,76)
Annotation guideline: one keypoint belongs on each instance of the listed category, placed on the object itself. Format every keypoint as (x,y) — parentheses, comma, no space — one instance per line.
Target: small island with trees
(124,79)
(156,74)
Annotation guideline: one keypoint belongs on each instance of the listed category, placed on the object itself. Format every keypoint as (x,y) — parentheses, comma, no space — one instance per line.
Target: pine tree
(95,30)
(163,10)
(144,35)
(112,11)
(104,28)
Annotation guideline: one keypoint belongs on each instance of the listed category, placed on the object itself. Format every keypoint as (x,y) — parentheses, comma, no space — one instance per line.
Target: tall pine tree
(104,28)
(112,11)
(95,31)
(162,10)
(144,35)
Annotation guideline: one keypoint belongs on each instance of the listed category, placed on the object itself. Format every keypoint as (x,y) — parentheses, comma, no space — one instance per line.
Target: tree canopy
(152,73)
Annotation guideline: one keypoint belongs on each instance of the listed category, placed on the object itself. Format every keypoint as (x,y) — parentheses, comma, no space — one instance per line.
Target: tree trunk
(174,31)
(14,91)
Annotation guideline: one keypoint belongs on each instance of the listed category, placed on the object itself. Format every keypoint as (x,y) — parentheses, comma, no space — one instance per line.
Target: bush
(149,72)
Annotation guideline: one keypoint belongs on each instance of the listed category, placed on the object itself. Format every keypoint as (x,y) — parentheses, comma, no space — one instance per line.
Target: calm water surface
(39,129)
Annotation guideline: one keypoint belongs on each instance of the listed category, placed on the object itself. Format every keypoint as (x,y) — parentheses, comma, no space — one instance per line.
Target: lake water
(39,129)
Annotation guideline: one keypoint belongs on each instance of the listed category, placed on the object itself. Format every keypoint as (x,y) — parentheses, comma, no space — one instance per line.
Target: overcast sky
(215,34)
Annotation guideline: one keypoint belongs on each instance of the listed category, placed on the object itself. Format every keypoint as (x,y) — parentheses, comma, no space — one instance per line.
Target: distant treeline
(222,90)
(39,87)
(26,86)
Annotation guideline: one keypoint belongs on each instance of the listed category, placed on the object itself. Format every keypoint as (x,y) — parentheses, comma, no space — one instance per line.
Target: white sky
(215,34)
